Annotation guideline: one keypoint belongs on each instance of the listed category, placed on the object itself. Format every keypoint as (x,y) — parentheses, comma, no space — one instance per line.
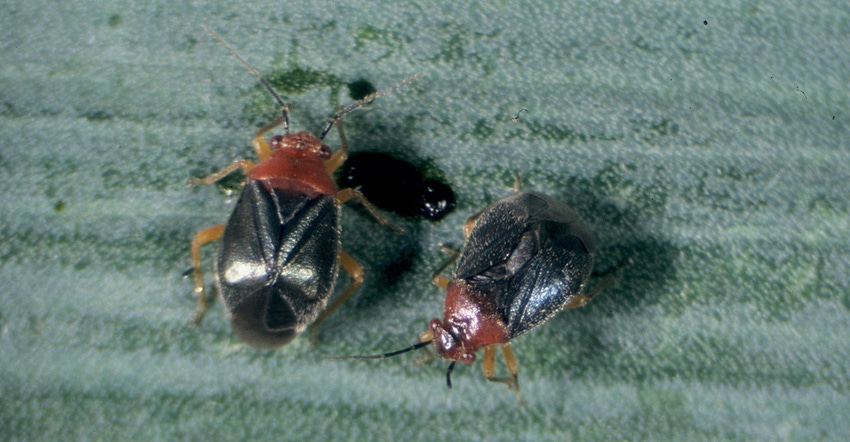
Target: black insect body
(277,262)
(396,185)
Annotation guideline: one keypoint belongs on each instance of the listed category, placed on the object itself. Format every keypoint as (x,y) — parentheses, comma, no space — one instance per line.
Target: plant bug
(280,249)
(526,257)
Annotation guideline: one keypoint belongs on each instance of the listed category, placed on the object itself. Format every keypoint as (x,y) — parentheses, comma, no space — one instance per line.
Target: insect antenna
(381,356)
(284,109)
(365,100)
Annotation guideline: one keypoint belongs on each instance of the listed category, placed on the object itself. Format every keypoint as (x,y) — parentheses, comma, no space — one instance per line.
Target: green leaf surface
(708,141)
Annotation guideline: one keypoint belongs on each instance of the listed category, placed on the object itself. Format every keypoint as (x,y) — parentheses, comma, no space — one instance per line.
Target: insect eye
(275,142)
(325,152)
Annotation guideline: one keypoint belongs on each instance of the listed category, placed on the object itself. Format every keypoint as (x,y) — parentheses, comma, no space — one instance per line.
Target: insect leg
(341,154)
(439,280)
(513,369)
(204,236)
(489,367)
(517,183)
(346,195)
(356,271)
(261,146)
(607,276)
(470,223)
(245,165)
(488,364)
